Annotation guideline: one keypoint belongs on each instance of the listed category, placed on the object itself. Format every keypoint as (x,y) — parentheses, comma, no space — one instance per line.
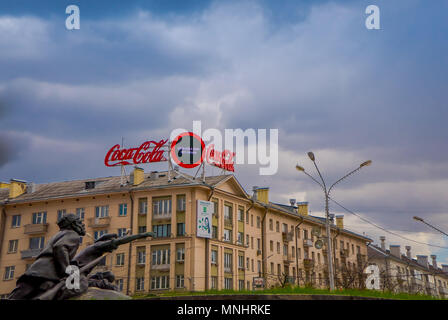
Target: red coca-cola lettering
(149,151)
(223,160)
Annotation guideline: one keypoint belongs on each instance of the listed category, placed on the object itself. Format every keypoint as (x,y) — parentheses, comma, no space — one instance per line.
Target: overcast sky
(311,69)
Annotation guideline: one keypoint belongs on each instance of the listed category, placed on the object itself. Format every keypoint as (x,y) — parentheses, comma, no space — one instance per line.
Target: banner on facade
(204,219)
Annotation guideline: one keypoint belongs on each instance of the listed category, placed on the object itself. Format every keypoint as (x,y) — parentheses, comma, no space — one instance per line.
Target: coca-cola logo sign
(149,151)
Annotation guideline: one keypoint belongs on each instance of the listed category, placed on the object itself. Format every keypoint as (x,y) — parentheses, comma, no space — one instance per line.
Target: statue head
(72,222)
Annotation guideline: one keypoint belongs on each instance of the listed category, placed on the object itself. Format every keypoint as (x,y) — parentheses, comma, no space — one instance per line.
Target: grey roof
(76,188)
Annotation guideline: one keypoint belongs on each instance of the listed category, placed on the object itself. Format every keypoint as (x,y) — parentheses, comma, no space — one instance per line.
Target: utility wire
(384,229)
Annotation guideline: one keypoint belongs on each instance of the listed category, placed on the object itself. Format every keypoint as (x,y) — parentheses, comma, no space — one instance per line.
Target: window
(247,217)
(279,269)
(180,254)
(227,212)
(15,223)
(98,234)
(141,256)
(278,247)
(271,245)
(142,206)
(252,264)
(120,259)
(241,262)
(9,273)
(160,282)
(251,220)
(227,235)
(285,250)
(39,217)
(162,230)
(214,232)
(251,242)
(272,268)
(122,209)
(119,283)
(37,242)
(240,238)
(271,225)
(181,229)
(12,247)
(80,213)
(247,263)
(61,213)
(179,281)
(258,222)
(259,267)
(299,253)
(227,262)
(214,282)
(277,226)
(298,233)
(241,284)
(293,252)
(318,257)
(141,229)
(181,203)
(214,257)
(353,249)
(247,239)
(161,208)
(228,283)
(161,257)
(285,228)
(240,215)
(101,211)
(305,234)
(140,284)
(121,232)
(258,244)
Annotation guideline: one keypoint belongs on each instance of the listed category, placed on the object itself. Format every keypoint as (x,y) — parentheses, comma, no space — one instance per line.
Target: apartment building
(251,236)
(402,273)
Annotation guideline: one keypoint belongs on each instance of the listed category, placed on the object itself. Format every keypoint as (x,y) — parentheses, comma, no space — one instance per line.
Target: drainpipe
(297,258)
(263,246)
(130,244)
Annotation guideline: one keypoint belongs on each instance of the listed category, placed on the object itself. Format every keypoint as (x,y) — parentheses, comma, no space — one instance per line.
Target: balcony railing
(287,236)
(228,223)
(158,217)
(287,259)
(228,269)
(308,263)
(160,267)
(30,253)
(38,228)
(307,242)
(98,222)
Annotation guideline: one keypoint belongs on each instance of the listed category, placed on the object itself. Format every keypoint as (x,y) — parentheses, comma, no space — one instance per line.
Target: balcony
(361,259)
(38,228)
(287,236)
(307,242)
(98,222)
(287,259)
(308,263)
(160,217)
(160,267)
(30,253)
(228,269)
(228,223)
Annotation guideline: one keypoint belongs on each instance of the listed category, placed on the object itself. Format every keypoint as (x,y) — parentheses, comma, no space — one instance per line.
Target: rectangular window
(161,257)
(140,284)
(227,262)
(259,267)
(39,217)
(98,234)
(285,250)
(247,263)
(15,223)
(214,282)
(214,232)
(240,238)
(122,209)
(258,222)
(143,206)
(241,262)
(61,213)
(228,283)
(272,268)
(214,257)
(240,215)
(247,217)
(227,235)
(9,273)
(141,256)
(12,247)
(180,254)
(121,232)
(227,212)
(179,281)
(181,203)
(271,245)
(120,259)
(181,229)
(251,220)
(37,242)
(277,226)
(101,211)
(247,240)
(80,213)
(271,225)
(285,228)
(119,284)
(160,282)
(161,208)
(299,253)
(141,229)
(258,244)
(241,284)
(162,230)
(278,247)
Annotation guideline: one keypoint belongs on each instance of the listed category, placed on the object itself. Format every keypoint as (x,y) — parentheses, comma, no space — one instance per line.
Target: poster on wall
(204,219)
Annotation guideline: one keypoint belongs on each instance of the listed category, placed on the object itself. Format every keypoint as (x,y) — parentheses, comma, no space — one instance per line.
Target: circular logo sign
(187,150)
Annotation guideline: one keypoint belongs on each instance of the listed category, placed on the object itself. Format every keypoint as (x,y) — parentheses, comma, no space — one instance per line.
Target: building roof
(77,188)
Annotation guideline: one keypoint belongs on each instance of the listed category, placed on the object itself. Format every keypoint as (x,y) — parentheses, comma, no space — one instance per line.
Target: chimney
(254,196)
(30,187)
(383,243)
(292,202)
(4,185)
(16,188)
(263,195)
(154,175)
(395,250)
(302,208)
(408,252)
(434,260)
(137,176)
(445,268)
(340,221)
(331,216)
(423,260)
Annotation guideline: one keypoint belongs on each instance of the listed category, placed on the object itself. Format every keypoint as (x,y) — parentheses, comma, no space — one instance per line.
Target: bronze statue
(45,279)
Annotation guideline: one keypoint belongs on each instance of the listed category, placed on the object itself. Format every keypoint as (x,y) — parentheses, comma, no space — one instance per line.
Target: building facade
(251,236)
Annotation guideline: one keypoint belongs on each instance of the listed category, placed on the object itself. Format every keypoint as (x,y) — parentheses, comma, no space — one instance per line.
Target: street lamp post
(327,211)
